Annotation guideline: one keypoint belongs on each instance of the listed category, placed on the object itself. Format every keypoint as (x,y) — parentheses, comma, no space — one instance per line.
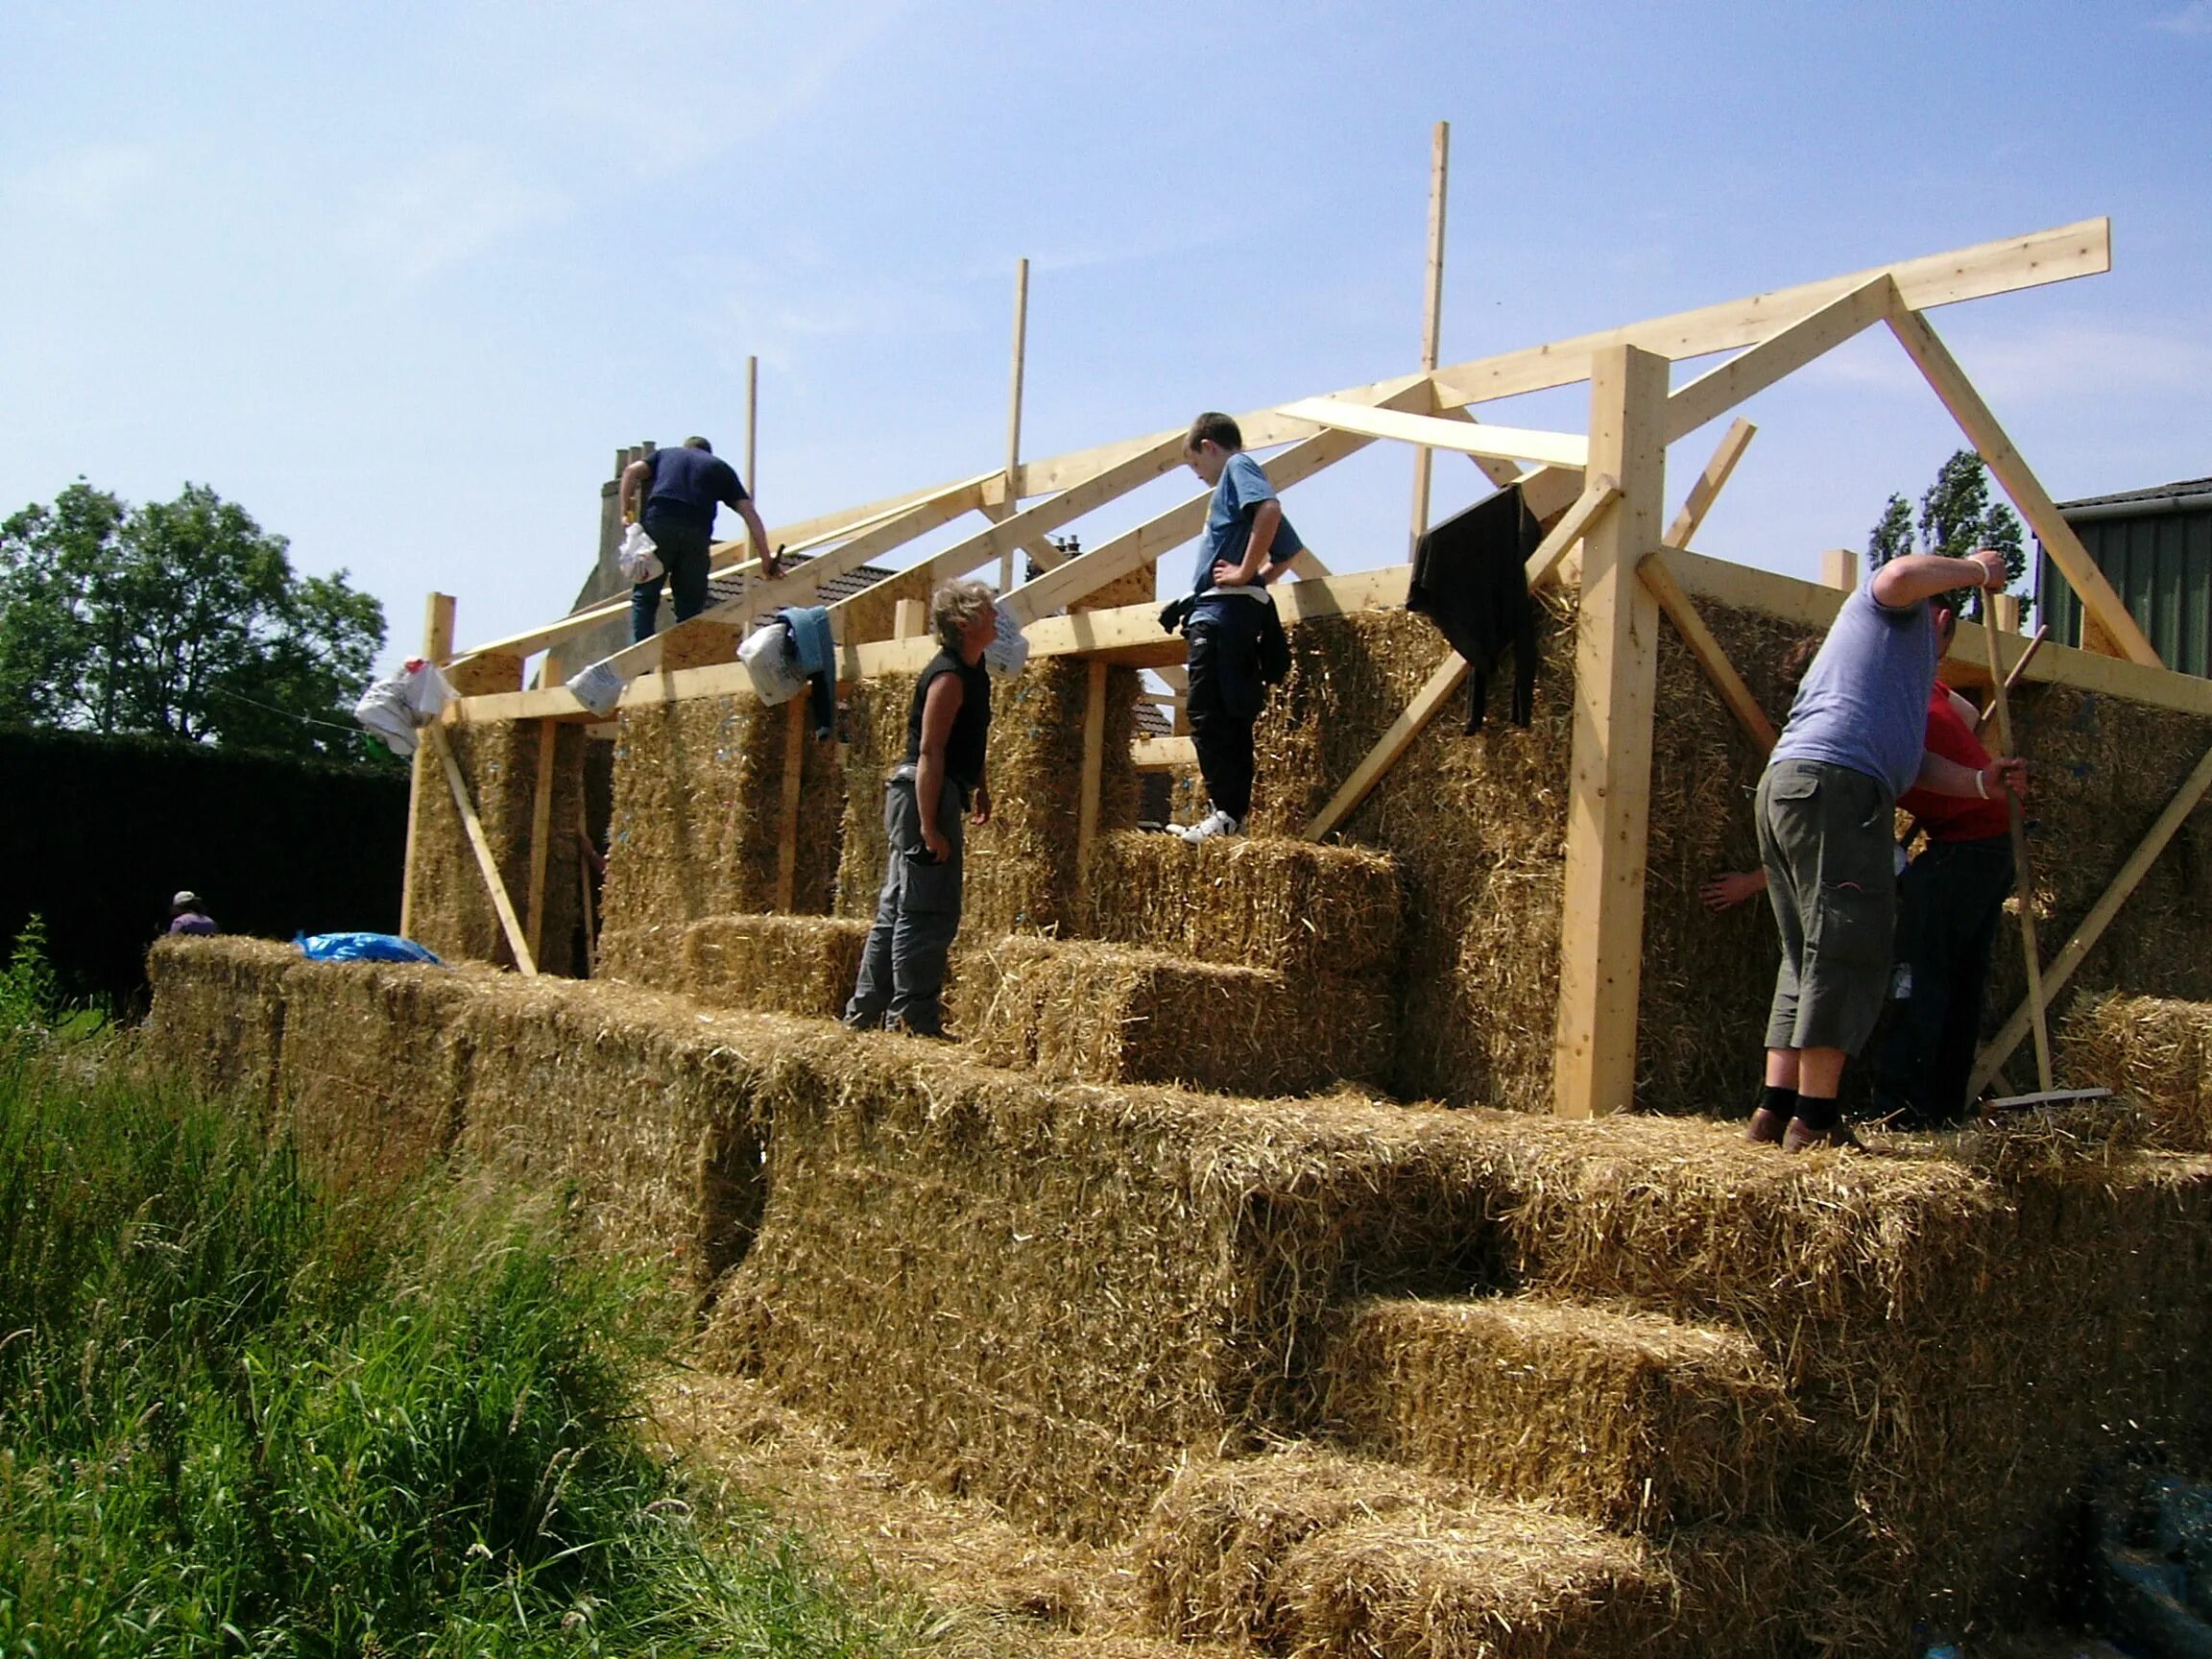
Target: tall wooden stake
(1014,413)
(1608,807)
(753,429)
(437,647)
(1432,309)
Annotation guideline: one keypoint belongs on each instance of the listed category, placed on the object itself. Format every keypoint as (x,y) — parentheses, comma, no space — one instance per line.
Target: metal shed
(2155,548)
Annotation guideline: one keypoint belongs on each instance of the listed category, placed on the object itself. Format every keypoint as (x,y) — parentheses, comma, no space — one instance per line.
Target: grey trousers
(901,983)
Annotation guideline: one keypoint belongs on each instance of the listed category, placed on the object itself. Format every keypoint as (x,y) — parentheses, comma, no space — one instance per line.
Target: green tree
(1957,516)
(181,619)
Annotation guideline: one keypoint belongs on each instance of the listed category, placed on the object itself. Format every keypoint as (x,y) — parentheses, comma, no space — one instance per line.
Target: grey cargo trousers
(901,983)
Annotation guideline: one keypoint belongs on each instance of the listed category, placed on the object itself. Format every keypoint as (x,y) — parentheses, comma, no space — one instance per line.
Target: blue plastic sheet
(362,948)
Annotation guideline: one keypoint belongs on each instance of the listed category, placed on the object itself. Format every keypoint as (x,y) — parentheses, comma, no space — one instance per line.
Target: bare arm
(758,532)
(1993,782)
(634,477)
(1266,520)
(939,710)
(1918,576)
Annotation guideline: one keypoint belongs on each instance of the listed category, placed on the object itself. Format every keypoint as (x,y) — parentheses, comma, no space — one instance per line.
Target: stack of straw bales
(697,825)
(2154,1050)
(775,964)
(453,913)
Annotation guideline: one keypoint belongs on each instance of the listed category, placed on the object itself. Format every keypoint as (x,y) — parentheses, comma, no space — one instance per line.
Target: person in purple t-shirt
(681,489)
(1854,741)
(187,915)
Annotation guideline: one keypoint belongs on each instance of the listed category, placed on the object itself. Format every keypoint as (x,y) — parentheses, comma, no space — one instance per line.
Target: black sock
(1781,1101)
(1817,1113)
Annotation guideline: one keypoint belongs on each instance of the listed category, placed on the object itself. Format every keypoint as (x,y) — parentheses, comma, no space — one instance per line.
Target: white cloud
(87,185)
(2071,361)
(443,210)
(2193,18)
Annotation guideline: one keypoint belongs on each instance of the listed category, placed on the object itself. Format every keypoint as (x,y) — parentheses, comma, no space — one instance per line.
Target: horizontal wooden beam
(1467,438)
(1602,493)
(1163,753)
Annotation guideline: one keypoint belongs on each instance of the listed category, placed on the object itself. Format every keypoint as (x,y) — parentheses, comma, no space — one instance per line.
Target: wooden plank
(787,825)
(1839,569)
(2022,871)
(1608,807)
(1094,765)
(1578,524)
(437,647)
(1447,679)
(1047,516)
(1957,395)
(1163,753)
(2077,948)
(1711,656)
(1820,331)
(1468,437)
(753,429)
(1710,482)
(485,863)
(911,619)
(1500,472)
(541,834)
(1432,313)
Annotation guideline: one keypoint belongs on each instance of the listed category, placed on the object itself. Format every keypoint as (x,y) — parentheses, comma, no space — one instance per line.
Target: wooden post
(541,834)
(1431,311)
(753,434)
(1094,766)
(2022,876)
(1608,809)
(2005,611)
(1839,569)
(586,853)
(437,647)
(1014,414)
(787,830)
(910,619)
(1710,482)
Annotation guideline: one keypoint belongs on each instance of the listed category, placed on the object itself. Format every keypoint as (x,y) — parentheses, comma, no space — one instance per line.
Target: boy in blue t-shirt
(1248,544)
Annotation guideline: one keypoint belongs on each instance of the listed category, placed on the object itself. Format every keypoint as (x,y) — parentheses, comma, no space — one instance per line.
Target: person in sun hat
(188,914)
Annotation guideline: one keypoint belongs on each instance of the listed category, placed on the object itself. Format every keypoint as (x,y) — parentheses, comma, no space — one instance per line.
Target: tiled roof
(2157,493)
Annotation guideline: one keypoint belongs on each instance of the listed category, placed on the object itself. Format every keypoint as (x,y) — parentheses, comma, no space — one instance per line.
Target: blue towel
(362,948)
(817,652)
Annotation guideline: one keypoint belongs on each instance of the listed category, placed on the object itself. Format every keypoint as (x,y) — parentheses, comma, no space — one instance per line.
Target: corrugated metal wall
(2161,564)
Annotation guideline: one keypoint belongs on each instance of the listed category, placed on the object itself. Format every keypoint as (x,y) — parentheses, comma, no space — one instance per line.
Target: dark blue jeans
(687,550)
(1225,698)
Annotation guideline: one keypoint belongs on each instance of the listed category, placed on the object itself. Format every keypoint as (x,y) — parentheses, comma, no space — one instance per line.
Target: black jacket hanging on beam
(1471,579)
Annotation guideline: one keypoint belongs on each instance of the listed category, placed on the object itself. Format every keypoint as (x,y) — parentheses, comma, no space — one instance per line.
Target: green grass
(236,1418)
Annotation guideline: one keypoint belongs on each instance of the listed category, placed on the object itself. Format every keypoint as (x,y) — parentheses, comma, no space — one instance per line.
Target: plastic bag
(362,948)
(1008,654)
(772,663)
(397,707)
(638,556)
(598,686)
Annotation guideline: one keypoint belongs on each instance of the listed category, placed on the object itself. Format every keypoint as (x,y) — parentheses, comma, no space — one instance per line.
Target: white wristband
(1981,785)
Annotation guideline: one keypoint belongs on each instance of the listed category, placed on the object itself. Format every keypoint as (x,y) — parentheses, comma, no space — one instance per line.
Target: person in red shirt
(1949,902)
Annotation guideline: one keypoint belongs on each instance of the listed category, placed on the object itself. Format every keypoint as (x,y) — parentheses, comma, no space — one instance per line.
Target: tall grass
(238,1419)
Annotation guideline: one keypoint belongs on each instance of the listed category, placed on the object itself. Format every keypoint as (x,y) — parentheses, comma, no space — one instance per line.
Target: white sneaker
(1215,823)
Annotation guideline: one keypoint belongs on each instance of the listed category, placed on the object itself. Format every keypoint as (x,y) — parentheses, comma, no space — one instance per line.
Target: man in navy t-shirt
(681,487)
(1248,544)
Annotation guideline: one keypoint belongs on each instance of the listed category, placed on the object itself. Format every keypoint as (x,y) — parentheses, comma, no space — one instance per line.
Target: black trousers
(686,549)
(1225,698)
(1948,902)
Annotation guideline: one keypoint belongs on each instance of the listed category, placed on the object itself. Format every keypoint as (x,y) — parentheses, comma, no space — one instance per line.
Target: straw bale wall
(697,819)
(218,1015)
(1054,1295)
(1086,1012)
(453,913)
(2156,1051)
(1021,867)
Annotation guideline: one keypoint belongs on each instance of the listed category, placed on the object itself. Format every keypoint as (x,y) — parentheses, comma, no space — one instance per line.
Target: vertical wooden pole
(540,836)
(437,647)
(910,620)
(1014,413)
(1608,809)
(753,431)
(1840,568)
(1432,309)
(787,828)
(2023,877)
(1094,767)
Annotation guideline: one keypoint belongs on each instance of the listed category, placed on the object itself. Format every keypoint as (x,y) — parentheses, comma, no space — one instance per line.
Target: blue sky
(401,279)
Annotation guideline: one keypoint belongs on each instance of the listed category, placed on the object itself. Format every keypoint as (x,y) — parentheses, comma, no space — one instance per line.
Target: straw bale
(697,825)
(1505,1581)
(1021,867)
(1630,1420)
(2157,1051)
(453,913)
(1476,824)
(697,643)
(1209,1555)
(1258,901)
(217,1018)
(775,964)
(1086,1012)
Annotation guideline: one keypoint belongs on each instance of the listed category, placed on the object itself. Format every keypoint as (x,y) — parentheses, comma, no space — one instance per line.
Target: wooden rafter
(1469,438)
(1820,331)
